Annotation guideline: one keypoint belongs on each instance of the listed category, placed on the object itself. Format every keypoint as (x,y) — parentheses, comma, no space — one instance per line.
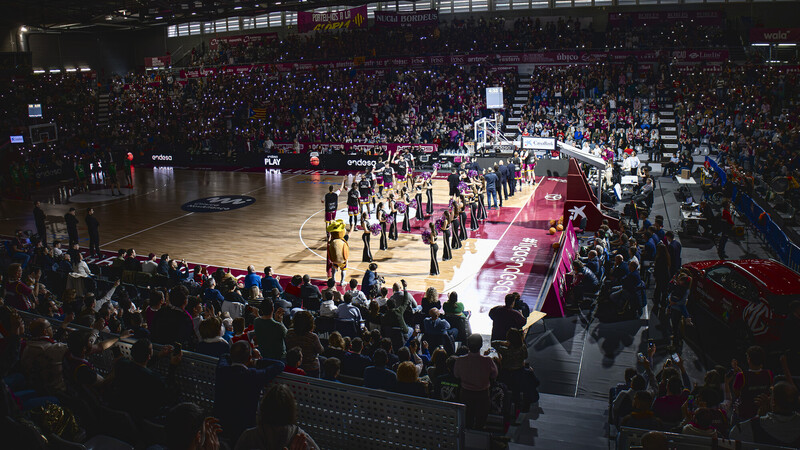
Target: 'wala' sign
(777,35)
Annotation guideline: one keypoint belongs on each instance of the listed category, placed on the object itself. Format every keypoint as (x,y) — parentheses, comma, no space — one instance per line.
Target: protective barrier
(631,438)
(337,415)
(786,251)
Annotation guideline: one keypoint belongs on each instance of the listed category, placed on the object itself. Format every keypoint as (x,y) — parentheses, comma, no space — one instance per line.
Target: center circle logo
(218,203)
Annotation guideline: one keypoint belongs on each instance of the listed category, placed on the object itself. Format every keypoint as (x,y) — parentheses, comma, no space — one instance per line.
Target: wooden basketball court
(283,227)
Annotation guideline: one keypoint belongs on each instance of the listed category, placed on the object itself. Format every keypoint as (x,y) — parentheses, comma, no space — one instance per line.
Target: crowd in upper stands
(405,105)
(524,34)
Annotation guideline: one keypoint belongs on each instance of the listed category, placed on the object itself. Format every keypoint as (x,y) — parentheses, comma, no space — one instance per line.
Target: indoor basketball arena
(461,224)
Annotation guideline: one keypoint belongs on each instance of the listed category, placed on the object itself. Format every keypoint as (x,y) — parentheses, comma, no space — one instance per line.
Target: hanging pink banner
(349,18)
(157,62)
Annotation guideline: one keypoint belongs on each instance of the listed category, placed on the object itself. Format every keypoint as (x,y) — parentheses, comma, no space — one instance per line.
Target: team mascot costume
(338,249)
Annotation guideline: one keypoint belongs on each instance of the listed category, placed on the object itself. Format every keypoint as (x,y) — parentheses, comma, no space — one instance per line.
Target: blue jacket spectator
(378,376)
(435,325)
(252,278)
(353,362)
(270,282)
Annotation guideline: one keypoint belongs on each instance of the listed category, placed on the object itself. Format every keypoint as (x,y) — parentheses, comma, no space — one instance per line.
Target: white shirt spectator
(150,267)
(327,309)
(358,297)
(82,270)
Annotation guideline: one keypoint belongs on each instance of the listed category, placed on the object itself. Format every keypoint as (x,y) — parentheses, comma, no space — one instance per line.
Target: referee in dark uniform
(94,232)
(39,219)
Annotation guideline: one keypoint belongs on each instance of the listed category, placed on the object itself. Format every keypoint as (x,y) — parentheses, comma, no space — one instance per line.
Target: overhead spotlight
(23,29)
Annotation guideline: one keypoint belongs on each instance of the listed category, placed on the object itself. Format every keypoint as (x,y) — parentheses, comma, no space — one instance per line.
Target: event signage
(651,17)
(777,35)
(240,39)
(160,157)
(505,60)
(219,203)
(538,143)
(428,17)
(569,248)
(319,21)
(158,62)
(355,147)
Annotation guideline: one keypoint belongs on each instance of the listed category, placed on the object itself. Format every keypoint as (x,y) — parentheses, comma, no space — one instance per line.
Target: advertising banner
(158,62)
(242,39)
(503,61)
(538,143)
(349,18)
(777,35)
(428,17)
(559,290)
(653,17)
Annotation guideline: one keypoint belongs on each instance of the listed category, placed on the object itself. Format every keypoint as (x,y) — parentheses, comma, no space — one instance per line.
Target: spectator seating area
(413,352)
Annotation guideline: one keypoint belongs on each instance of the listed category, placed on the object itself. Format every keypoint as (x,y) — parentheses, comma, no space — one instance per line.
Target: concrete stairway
(510,130)
(102,109)
(668,130)
(563,423)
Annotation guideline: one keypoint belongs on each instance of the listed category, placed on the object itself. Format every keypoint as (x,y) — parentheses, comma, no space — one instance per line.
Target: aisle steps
(563,423)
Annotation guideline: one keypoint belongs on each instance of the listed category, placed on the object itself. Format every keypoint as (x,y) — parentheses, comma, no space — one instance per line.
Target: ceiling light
(23,29)
(39,71)
(237,8)
(72,70)
(85,69)
(55,70)
(159,17)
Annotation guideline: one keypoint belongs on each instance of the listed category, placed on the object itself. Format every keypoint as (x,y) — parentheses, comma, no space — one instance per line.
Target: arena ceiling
(133,14)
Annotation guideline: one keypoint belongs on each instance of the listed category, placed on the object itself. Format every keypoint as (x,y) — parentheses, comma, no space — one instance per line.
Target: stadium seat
(118,424)
(325,325)
(347,327)
(445,340)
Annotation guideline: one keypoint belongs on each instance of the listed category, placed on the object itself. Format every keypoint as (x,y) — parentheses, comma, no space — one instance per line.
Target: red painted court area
(522,256)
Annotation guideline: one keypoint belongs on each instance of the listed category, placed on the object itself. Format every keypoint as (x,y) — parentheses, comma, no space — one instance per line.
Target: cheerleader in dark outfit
(462,212)
(406,219)
(482,215)
(384,244)
(434,250)
(473,209)
(447,254)
(456,227)
(393,214)
(352,204)
(429,193)
(418,197)
(367,255)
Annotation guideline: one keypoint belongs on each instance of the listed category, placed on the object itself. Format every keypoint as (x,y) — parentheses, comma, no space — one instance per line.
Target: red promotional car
(751,296)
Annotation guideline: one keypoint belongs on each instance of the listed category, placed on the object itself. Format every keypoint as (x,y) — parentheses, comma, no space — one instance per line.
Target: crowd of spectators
(524,34)
(404,105)
(255,327)
(457,36)
(747,403)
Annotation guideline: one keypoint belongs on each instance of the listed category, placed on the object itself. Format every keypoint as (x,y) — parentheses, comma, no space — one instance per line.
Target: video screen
(34,110)
(17,140)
